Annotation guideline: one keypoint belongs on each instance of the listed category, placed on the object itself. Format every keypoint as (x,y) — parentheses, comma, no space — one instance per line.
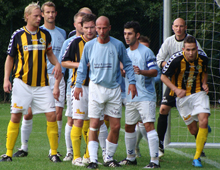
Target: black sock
(161,128)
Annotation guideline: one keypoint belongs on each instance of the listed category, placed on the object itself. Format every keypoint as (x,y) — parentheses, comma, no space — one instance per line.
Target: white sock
(153,142)
(69,148)
(26,129)
(103,134)
(93,151)
(110,150)
(130,140)
(138,136)
(143,130)
(59,123)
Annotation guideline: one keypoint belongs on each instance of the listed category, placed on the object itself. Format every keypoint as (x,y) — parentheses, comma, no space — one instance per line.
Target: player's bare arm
(148,73)
(8,67)
(179,92)
(132,89)
(56,90)
(77,92)
(53,60)
(204,83)
(70,64)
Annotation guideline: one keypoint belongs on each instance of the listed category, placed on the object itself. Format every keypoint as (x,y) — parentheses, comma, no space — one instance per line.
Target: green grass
(39,146)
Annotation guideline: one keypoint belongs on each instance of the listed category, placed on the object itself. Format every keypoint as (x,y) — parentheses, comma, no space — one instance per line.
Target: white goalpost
(203,22)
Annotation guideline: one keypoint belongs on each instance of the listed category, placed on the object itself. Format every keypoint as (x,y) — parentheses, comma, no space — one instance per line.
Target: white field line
(208,161)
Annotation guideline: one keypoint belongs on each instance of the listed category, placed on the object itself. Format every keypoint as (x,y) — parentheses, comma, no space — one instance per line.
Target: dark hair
(88,18)
(144,39)
(189,39)
(133,24)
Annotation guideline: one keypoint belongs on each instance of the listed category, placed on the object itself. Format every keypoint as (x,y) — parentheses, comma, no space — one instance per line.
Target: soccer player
(77,24)
(71,60)
(28,48)
(85,10)
(104,54)
(142,107)
(58,36)
(170,46)
(140,128)
(188,72)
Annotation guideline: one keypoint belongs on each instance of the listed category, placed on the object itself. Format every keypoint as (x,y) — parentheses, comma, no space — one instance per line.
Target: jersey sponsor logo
(34,47)
(103,65)
(17,107)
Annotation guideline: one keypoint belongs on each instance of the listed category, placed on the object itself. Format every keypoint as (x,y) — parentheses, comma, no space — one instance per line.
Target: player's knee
(149,126)
(164,110)
(203,123)
(116,127)
(129,128)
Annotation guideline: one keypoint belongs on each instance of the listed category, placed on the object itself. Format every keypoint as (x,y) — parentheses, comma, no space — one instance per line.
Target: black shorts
(168,100)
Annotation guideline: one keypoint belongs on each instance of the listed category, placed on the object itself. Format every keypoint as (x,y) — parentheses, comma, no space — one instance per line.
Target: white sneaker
(68,157)
(86,160)
(78,162)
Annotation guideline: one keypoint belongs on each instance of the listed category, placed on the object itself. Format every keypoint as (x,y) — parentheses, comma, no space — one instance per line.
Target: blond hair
(28,9)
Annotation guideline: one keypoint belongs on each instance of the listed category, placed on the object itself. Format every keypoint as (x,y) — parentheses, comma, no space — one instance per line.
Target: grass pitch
(37,158)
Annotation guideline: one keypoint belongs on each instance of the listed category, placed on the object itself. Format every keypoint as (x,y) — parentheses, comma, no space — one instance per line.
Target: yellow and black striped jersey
(184,74)
(74,53)
(29,51)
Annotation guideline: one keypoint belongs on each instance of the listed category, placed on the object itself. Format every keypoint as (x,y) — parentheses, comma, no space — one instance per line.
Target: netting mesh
(203,22)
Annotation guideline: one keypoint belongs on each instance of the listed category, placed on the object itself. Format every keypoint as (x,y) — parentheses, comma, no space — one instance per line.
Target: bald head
(179,20)
(179,28)
(103,27)
(103,20)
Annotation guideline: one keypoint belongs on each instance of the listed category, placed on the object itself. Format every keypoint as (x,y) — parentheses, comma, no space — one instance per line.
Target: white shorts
(144,111)
(40,99)
(68,112)
(80,107)
(190,106)
(61,101)
(104,100)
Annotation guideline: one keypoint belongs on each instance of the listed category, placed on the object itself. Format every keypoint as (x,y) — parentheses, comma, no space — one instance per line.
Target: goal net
(203,22)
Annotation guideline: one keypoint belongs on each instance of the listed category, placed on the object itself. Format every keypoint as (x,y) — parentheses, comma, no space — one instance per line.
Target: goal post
(203,22)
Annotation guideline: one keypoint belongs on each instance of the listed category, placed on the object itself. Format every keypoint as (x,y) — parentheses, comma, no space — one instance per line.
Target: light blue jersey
(58,36)
(145,59)
(104,60)
(62,51)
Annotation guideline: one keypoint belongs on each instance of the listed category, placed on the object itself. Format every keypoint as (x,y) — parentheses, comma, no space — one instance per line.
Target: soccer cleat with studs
(152,165)
(20,153)
(128,162)
(197,163)
(68,157)
(5,158)
(112,164)
(92,165)
(55,158)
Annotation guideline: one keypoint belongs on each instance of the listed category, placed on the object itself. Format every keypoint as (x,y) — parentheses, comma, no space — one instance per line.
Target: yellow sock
(52,133)
(106,123)
(200,141)
(85,129)
(76,135)
(12,134)
(86,155)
